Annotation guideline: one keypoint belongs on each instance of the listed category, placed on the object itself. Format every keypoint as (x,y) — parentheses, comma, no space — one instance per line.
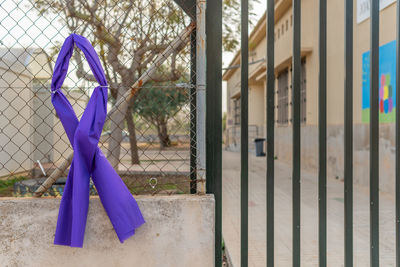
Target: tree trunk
(132,137)
(163,135)
(117,113)
(116,127)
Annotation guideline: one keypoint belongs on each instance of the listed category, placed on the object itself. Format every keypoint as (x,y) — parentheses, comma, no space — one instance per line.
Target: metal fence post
(374,135)
(214,115)
(193,115)
(296,130)
(322,147)
(244,134)
(348,135)
(270,115)
(201,95)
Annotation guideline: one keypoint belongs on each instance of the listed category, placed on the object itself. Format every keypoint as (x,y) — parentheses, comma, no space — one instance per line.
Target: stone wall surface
(179,231)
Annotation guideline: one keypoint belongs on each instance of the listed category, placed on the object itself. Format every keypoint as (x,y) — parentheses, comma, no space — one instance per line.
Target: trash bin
(259,147)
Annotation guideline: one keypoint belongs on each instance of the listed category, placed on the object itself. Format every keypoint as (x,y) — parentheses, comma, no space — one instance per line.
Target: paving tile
(309,216)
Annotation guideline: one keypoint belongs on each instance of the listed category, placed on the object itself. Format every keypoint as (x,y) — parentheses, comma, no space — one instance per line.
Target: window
(303,90)
(279,33)
(283,29)
(236,111)
(287,25)
(283,103)
(303,98)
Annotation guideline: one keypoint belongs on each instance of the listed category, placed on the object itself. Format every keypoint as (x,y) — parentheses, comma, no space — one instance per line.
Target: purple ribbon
(88,159)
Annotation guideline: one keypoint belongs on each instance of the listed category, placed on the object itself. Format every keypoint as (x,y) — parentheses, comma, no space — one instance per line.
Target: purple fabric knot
(88,160)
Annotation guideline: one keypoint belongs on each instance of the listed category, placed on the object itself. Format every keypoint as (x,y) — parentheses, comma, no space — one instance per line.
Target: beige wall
(283,58)
(14,122)
(256,105)
(335,89)
(335,56)
(335,62)
(309,43)
(309,48)
(26,120)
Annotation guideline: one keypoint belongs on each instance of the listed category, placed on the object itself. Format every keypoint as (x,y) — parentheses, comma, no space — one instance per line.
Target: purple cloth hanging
(88,159)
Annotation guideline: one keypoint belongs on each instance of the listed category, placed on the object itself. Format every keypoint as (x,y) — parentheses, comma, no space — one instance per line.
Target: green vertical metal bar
(296,130)
(322,136)
(244,135)
(348,135)
(270,115)
(214,115)
(189,6)
(397,160)
(193,126)
(374,135)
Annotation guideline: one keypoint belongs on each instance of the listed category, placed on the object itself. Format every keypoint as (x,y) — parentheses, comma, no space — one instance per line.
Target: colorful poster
(387,83)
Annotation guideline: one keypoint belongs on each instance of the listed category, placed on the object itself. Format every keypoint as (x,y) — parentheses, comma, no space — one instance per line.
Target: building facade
(30,128)
(309,86)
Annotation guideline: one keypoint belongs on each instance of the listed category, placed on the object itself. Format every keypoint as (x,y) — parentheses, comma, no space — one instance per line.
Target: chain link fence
(147,49)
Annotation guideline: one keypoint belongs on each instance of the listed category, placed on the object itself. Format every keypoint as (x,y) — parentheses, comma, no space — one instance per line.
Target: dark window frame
(283,98)
(236,111)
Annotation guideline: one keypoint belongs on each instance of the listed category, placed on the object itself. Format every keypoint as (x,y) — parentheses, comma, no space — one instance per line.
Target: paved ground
(309,217)
(155,160)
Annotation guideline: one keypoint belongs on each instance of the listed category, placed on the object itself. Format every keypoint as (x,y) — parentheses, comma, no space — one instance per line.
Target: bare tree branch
(130,46)
(122,24)
(173,47)
(54,176)
(123,103)
(80,72)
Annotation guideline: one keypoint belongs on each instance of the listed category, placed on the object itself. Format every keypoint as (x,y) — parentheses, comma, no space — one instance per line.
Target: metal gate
(214,155)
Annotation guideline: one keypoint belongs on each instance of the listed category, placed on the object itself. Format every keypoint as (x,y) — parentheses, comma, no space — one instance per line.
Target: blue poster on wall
(387,83)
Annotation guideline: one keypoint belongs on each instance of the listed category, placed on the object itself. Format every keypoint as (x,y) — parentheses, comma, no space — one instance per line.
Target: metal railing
(322,134)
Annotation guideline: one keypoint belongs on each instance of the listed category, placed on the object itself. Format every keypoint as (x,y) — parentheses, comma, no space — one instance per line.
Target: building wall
(26,109)
(42,121)
(335,152)
(335,55)
(335,88)
(233,86)
(335,62)
(14,122)
(256,106)
(362,44)
(283,56)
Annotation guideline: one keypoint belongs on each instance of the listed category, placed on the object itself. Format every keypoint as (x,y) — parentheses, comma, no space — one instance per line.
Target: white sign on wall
(363,8)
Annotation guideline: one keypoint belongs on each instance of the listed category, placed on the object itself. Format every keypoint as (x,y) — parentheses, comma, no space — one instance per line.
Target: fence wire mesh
(145,47)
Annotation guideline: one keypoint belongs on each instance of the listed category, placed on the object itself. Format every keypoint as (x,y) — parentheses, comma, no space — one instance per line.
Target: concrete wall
(335,153)
(179,231)
(42,123)
(14,122)
(24,120)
